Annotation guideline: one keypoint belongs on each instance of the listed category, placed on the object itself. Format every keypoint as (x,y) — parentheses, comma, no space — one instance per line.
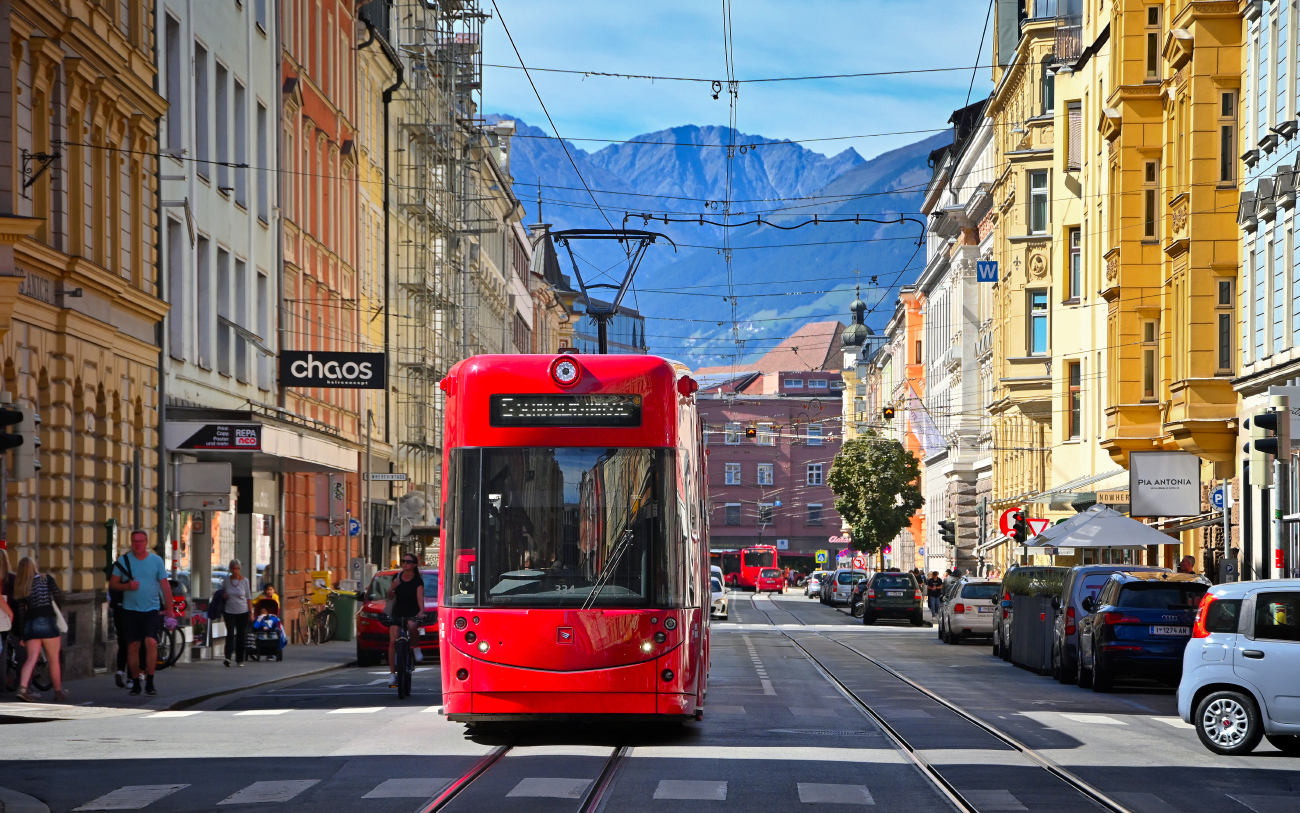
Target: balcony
(1069,38)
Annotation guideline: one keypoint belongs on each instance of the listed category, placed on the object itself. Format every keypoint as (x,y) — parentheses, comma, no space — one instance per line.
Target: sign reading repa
(1164,484)
(314,368)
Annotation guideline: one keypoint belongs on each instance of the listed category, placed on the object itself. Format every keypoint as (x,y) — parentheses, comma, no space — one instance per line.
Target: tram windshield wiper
(607,571)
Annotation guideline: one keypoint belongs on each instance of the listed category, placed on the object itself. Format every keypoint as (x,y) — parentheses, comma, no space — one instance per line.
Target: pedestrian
(238,612)
(1187,565)
(934,592)
(115,609)
(37,598)
(6,593)
(147,594)
(268,603)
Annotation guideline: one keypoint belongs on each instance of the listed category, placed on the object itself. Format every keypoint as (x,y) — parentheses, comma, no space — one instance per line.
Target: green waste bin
(345,609)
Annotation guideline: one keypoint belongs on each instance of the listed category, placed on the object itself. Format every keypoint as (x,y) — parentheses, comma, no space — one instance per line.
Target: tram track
(593,800)
(930,771)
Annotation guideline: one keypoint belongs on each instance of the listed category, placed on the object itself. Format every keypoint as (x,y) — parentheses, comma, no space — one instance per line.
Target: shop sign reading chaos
(315,368)
(1164,484)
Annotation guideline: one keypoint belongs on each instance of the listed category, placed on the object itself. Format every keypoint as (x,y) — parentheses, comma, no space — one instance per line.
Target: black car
(892,595)
(1138,626)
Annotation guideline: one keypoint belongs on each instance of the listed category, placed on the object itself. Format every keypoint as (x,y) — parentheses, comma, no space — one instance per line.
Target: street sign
(823,556)
(783,544)
(986,271)
(389,477)
(1065,551)
(1037,526)
(354,526)
(920,551)
(1049,550)
(859,561)
(1006,520)
(889,549)
(1216,498)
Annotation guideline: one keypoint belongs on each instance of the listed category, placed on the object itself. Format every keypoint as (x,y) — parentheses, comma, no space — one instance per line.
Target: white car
(969,610)
(813,584)
(718,605)
(1240,666)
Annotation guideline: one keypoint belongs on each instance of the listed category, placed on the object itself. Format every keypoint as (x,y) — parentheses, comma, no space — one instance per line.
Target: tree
(875,482)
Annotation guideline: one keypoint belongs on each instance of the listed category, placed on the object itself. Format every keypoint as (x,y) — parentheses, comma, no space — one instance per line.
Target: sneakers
(419,655)
(120,680)
(135,687)
(61,696)
(392,680)
(148,685)
(27,695)
(226,661)
(240,664)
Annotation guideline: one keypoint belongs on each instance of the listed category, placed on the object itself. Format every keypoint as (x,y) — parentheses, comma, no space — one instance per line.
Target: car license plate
(987,609)
(893,592)
(1171,631)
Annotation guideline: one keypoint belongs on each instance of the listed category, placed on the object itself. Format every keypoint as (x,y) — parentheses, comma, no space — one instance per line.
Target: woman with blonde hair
(35,596)
(6,610)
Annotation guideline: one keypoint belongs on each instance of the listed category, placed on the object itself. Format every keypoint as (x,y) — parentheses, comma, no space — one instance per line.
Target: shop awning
(1076,486)
(1102,527)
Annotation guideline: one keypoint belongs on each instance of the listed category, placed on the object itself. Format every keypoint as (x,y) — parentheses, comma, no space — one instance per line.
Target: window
(222,121)
(224,333)
(794,382)
(917,359)
(263,162)
(1150,173)
(733,474)
(859,408)
(1074,383)
(175,108)
(1074,136)
(1224,315)
(819,384)
(766,434)
(1038,202)
(263,305)
(765,474)
(241,144)
(814,434)
(732,436)
(814,513)
(178,315)
(259,14)
(1153,44)
(837,385)
(1149,347)
(1228,136)
(1038,323)
(241,320)
(733,513)
(815,474)
(765,513)
(1277,617)
(1075,286)
(201,113)
(206,301)
(1049,85)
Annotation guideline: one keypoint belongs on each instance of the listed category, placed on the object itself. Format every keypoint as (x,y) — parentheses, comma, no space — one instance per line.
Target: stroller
(266,639)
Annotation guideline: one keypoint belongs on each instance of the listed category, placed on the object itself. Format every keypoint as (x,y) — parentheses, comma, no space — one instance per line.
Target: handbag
(6,623)
(58,613)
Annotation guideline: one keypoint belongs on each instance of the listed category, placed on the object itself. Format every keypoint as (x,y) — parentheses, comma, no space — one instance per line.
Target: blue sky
(771,38)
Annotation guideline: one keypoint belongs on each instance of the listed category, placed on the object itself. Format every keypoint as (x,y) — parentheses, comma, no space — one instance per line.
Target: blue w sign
(986,271)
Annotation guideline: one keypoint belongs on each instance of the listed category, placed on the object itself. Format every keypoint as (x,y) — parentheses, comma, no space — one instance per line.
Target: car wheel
(1084,675)
(858,610)
(953,638)
(938,630)
(1064,672)
(1102,679)
(868,617)
(1288,744)
(1006,651)
(997,645)
(1228,723)
(918,619)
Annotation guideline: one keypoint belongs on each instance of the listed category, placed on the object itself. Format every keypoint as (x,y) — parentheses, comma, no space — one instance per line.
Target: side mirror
(1088,604)
(1006,604)
(1056,603)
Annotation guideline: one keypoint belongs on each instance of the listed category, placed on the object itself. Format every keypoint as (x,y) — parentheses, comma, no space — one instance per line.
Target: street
(796,714)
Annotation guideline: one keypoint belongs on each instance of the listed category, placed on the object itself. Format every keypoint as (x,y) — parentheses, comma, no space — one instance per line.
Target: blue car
(1138,626)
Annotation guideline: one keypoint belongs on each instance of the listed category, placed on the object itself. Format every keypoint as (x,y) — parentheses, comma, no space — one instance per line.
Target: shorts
(136,625)
(35,629)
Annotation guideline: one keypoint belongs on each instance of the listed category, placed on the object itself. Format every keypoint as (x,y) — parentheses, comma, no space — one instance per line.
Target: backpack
(217,605)
(123,564)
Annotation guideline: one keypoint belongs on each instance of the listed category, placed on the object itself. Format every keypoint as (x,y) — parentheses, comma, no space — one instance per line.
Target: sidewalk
(186,684)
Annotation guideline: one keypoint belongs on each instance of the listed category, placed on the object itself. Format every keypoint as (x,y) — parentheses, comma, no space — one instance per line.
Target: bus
(752,560)
(575,539)
(728,561)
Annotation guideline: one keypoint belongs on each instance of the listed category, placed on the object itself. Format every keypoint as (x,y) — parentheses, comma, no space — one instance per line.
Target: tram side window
(461,528)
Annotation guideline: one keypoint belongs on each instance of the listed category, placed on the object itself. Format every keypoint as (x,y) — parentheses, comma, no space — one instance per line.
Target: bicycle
(403,657)
(15,655)
(171,645)
(315,624)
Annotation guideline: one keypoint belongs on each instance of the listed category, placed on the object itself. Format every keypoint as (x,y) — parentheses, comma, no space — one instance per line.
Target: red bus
(575,539)
(728,561)
(752,560)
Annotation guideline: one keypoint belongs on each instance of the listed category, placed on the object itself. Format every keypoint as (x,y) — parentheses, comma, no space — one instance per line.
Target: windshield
(759,558)
(715,585)
(770,573)
(981,590)
(564,527)
(1157,596)
(382,581)
(893,582)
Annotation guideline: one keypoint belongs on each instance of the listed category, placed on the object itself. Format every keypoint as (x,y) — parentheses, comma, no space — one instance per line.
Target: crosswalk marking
(1267,804)
(1145,803)
(1093,719)
(1176,722)
(432,710)
(131,797)
(267,792)
(358,710)
(812,793)
(691,789)
(985,800)
(261,712)
(166,715)
(410,788)
(551,788)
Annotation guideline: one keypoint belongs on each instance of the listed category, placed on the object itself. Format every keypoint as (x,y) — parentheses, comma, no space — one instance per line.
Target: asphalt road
(806,707)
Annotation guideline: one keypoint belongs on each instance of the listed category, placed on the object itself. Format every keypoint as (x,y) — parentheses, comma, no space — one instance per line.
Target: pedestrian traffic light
(887,413)
(27,460)
(1020,528)
(948,531)
(9,416)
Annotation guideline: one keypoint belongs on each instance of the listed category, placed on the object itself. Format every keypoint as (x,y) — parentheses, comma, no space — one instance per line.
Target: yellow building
(79,306)
(1172,89)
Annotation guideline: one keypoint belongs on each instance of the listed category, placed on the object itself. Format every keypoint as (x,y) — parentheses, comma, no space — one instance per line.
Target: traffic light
(8,417)
(751,431)
(948,531)
(1020,528)
(887,413)
(1270,436)
(27,459)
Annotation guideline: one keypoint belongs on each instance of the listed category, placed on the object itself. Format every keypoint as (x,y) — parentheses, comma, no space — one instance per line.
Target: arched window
(1049,85)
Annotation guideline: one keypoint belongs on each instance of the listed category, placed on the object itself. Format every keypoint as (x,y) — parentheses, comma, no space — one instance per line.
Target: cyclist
(407,594)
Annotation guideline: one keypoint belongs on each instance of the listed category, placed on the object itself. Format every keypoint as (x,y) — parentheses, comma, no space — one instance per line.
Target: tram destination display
(564,410)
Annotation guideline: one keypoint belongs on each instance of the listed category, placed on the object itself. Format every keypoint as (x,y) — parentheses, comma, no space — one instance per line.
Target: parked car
(769,580)
(1022,580)
(892,595)
(813,584)
(1138,626)
(718,605)
(372,624)
(840,586)
(1240,667)
(969,609)
(1081,582)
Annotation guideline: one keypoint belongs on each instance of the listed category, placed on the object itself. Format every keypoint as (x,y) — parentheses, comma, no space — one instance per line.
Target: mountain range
(784,273)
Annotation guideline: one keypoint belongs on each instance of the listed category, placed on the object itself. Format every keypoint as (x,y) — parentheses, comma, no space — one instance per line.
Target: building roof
(815,346)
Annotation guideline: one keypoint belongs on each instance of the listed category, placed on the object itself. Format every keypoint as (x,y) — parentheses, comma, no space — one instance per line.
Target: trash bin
(344,606)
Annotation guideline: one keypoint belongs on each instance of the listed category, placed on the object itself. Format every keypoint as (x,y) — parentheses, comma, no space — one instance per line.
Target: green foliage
(876,483)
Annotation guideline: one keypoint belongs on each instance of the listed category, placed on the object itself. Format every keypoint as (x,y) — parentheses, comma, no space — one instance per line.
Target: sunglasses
(409,561)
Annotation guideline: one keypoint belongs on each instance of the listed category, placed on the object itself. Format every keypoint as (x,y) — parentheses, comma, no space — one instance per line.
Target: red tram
(575,539)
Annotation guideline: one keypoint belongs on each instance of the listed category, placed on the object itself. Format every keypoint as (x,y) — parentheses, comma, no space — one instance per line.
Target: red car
(372,632)
(769,580)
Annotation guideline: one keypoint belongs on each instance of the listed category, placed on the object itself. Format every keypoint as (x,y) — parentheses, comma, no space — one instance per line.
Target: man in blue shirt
(142,576)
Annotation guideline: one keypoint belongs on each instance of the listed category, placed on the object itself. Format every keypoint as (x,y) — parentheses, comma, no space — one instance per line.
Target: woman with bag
(6,609)
(41,623)
(238,613)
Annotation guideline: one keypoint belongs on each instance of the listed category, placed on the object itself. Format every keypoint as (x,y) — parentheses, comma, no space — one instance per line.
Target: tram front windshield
(563,527)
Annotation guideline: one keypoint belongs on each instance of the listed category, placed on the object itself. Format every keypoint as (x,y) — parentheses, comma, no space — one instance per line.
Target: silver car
(969,609)
(840,585)
(813,584)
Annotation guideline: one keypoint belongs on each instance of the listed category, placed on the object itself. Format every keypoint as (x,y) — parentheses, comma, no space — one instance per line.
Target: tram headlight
(460,623)
(482,646)
(659,638)
(647,647)
(470,637)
